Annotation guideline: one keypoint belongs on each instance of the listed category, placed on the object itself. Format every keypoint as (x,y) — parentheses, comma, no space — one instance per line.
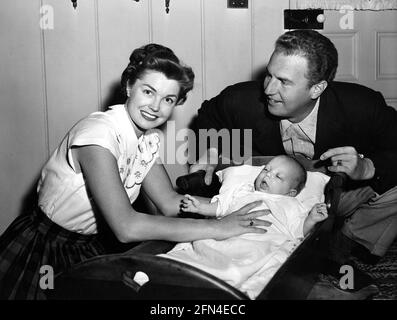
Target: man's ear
(292,193)
(317,89)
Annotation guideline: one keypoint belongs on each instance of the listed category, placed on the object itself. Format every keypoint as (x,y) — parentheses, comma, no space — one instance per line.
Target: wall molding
(98,57)
(44,87)
(203,52)
(252,11)
(150,20)
(381,35)
(353,36)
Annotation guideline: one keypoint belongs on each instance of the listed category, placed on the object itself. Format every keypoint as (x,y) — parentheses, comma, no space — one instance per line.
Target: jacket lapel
(331,129)
(266,135)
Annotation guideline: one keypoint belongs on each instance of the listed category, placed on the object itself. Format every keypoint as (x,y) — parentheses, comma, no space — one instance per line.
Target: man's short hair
(320,52)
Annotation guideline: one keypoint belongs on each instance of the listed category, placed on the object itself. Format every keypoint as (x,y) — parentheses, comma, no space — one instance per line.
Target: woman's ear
(128,89)
(317,89)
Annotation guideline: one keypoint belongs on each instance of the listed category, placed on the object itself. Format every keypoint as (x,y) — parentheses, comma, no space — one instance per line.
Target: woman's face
(151,100)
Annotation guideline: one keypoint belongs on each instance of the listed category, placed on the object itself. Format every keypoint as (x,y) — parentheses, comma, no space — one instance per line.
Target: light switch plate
(303,19)
(237,4)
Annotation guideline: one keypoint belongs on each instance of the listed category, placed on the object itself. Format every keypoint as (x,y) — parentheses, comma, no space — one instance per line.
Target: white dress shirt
(299,138)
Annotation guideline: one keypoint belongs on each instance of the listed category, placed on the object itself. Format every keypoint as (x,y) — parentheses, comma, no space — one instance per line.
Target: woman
(97,172)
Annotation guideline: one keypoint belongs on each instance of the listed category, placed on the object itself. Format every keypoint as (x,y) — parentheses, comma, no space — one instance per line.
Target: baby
(283,175)
(249,261)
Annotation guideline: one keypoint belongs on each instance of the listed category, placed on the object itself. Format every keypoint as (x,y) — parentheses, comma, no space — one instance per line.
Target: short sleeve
(93,130)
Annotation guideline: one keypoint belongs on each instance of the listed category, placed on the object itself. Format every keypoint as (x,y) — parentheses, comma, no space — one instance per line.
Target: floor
(384,274)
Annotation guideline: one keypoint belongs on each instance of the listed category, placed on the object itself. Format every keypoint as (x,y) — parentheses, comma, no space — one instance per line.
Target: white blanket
(248,261)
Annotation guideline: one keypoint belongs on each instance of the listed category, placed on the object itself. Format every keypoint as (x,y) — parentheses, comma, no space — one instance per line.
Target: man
(300,110)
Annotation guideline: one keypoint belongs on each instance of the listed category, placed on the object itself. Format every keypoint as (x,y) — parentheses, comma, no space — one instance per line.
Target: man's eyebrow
(285,79)
(278,77)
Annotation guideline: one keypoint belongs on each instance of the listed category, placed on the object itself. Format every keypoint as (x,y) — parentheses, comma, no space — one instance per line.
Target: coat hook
(74,4)
(167,6)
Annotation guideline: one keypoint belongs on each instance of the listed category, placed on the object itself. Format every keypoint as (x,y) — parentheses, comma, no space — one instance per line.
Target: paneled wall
(51,78)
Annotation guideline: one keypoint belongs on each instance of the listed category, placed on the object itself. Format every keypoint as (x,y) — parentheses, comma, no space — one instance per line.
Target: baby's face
(277,177)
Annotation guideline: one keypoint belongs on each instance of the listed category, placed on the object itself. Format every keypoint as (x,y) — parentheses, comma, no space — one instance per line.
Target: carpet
(384,274)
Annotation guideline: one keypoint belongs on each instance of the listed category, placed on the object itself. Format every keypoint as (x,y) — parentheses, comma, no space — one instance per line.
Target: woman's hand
(242,221)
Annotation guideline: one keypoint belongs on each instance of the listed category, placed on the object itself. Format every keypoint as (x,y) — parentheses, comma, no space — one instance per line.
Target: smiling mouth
(148,116)
(272,101)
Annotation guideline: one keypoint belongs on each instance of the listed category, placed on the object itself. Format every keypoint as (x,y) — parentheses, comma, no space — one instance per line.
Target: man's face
(286,87)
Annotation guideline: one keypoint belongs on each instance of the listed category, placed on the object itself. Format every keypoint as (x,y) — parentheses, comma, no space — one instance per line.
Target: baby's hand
(190,204)
(319,212)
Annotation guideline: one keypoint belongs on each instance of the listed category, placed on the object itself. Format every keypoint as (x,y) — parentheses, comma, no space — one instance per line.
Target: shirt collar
(308,125)
(124,123)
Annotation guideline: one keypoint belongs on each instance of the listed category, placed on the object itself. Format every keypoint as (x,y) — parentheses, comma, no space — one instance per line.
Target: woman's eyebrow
(148,85)
(153,89)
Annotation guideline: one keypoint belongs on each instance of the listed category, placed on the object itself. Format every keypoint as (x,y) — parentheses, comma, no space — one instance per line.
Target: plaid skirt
(33,241)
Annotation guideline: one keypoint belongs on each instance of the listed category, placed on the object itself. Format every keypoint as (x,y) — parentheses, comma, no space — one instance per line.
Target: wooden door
(367,46)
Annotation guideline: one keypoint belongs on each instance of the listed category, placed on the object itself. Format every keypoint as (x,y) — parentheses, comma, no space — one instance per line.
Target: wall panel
(227,47)
(71,67)
(181,30)
(346,43)
(23,147)
(122,26)
(267,26)
(386,43)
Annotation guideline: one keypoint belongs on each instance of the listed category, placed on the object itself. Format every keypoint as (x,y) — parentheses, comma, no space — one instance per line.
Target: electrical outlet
(237,4)
(304,19)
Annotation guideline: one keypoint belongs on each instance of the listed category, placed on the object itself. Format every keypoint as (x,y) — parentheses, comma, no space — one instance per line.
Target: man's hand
(349,161)
(208,163)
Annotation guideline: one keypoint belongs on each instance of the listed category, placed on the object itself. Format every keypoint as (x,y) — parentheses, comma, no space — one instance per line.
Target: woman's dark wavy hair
(320,52)
(155,57)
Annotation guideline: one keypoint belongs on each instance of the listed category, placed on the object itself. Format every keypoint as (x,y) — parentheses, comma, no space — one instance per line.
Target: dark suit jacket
(349,115)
